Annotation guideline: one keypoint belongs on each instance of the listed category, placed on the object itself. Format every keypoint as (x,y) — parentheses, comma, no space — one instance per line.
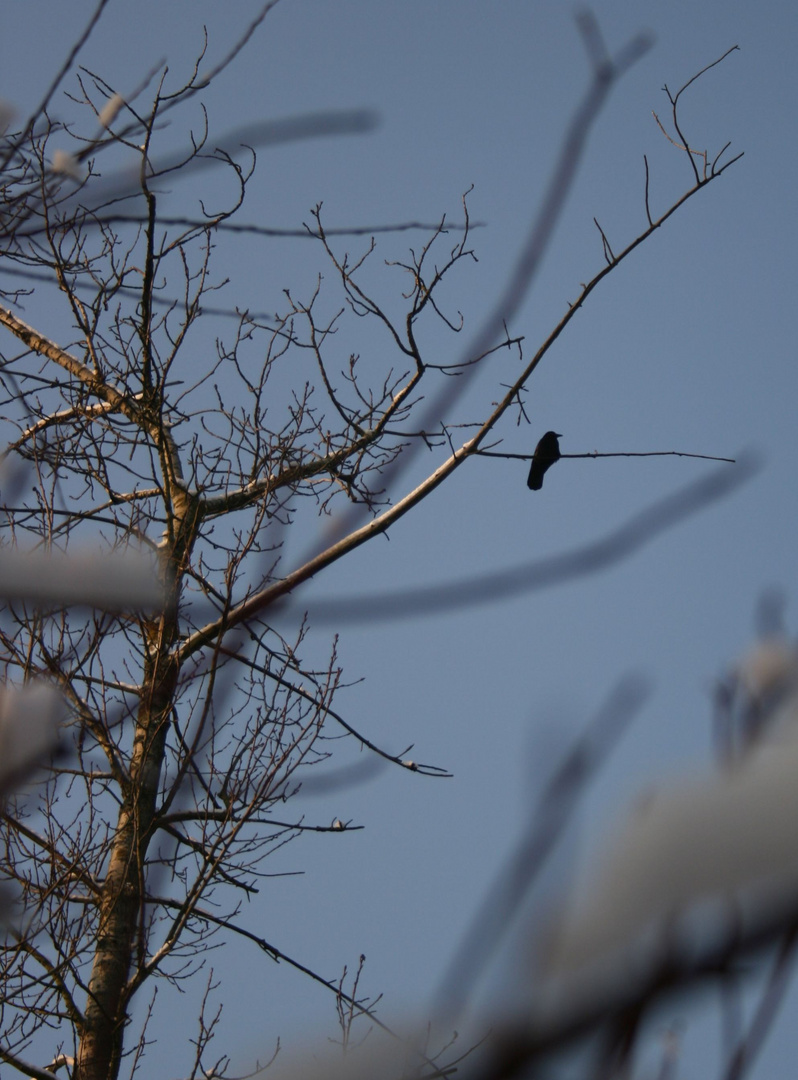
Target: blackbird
(546,453)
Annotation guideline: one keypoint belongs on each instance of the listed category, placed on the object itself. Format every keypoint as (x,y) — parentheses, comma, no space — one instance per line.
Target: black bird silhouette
(546,453)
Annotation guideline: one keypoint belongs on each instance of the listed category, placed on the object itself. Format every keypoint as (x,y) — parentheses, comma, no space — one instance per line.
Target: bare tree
(192,727)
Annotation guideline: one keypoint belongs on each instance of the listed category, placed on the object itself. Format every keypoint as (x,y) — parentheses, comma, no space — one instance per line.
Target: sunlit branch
(501,585)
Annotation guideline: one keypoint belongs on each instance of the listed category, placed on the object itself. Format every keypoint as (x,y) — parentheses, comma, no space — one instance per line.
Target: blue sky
(689,346)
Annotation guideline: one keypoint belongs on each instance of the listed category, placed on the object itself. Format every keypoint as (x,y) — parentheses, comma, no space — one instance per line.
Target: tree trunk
(99,1054)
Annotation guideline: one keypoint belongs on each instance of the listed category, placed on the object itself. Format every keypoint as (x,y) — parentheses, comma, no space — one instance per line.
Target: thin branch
(279,956)
(446,598)
(606,72)
(539,574)
(625,453)
(204,814)
(674,100)
(608,255)
(395,759)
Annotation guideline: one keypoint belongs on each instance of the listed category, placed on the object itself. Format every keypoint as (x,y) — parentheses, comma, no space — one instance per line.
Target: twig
(624,453)
(674,100)
(608,254)
(648,202)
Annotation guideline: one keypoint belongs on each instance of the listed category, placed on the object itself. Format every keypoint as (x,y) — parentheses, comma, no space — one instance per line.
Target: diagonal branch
(109,395)
(258,602)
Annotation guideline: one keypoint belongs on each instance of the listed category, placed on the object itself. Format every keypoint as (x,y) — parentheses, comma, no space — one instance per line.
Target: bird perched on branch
(546,453)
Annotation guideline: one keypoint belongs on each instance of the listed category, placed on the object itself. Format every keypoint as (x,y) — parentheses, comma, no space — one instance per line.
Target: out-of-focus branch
(552,813)
(772,996)
(518,1045)
(126,185)
(14,145)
